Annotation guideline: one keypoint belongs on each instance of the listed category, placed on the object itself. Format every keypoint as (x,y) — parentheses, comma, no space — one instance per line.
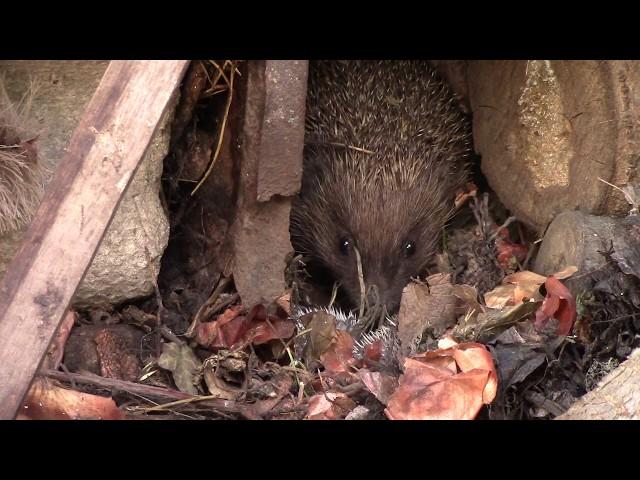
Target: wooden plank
(617,396)
(103,154)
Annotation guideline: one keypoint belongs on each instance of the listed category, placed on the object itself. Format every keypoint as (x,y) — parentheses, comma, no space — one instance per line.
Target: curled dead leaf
(425,307)
(46,401)
(183,363)
(329,406)
(339,356)
(558,304)
(231,330)
(521,286)
(379,384)
(56,349)
(445,384)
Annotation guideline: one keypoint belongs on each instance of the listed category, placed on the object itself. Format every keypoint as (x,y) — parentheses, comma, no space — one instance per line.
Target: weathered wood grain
(103,154)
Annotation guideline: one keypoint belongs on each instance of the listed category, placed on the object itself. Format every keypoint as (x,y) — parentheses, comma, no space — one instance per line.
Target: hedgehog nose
(382,294)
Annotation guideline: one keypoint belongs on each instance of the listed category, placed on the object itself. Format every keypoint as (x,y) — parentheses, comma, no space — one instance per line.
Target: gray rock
(128,258)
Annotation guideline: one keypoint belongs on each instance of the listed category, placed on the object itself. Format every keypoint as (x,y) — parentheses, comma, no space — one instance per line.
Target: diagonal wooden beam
(103,154)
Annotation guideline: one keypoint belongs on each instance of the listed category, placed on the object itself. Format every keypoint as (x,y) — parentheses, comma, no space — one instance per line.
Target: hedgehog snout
(384,290)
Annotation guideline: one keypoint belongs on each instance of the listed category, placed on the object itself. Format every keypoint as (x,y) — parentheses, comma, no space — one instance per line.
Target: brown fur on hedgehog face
(394,225)
(386,149)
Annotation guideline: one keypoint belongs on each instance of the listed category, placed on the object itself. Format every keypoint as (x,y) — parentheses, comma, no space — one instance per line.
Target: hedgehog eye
(408,249)
(345,245)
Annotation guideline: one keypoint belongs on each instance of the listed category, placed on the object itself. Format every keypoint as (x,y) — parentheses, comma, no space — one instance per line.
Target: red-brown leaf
(46,401)
(231,330)
(329,406)
(452,383)
(274,329)
(381,385)
(373,351)
(207,333)
(508,249)
(339,356)
(558,304)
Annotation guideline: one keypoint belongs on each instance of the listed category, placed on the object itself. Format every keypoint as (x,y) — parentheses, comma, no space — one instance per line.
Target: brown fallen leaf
(321,334)
(207,333)
(56,349)
(520,286)
(280,385)
(425,307)
(515,288)
(339,356)
(445,384)
(329,406)
(183,363)
(284,302)
(558,304)
(379,384)
(46,401)
(232,330)
(485,326)
(509,253)
(273,328)
(468,297)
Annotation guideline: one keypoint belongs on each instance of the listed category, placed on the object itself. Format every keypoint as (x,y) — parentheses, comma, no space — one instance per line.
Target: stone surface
(575,239)
(129,255)
(546,130)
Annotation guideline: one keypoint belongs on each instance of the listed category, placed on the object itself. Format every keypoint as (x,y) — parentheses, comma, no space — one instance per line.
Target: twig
(506,223)
(209,307)
(174,397)
(221,136)
(334,293)
(342,145)
(361,281)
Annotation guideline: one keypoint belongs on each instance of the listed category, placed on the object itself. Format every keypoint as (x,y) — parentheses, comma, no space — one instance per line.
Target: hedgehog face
(394,245)
(394,230)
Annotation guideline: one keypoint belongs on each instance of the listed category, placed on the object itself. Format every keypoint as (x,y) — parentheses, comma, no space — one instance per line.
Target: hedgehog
(387,148)
(22,173)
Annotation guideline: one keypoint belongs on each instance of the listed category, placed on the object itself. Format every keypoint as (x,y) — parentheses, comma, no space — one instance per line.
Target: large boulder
(547,130)
(129,256)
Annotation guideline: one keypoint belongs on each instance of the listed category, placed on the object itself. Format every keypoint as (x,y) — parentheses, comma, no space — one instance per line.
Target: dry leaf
(56,349)
(445,384)
(558,304)
(566,273)
(232,330)
(425,307)
(46,401)
(284,302)
(183,363)
(468,296)
(520,286)
(485,326)
(207,333)
(322,333)
(339,356)
(379,384)
(218,387)
(329,406)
